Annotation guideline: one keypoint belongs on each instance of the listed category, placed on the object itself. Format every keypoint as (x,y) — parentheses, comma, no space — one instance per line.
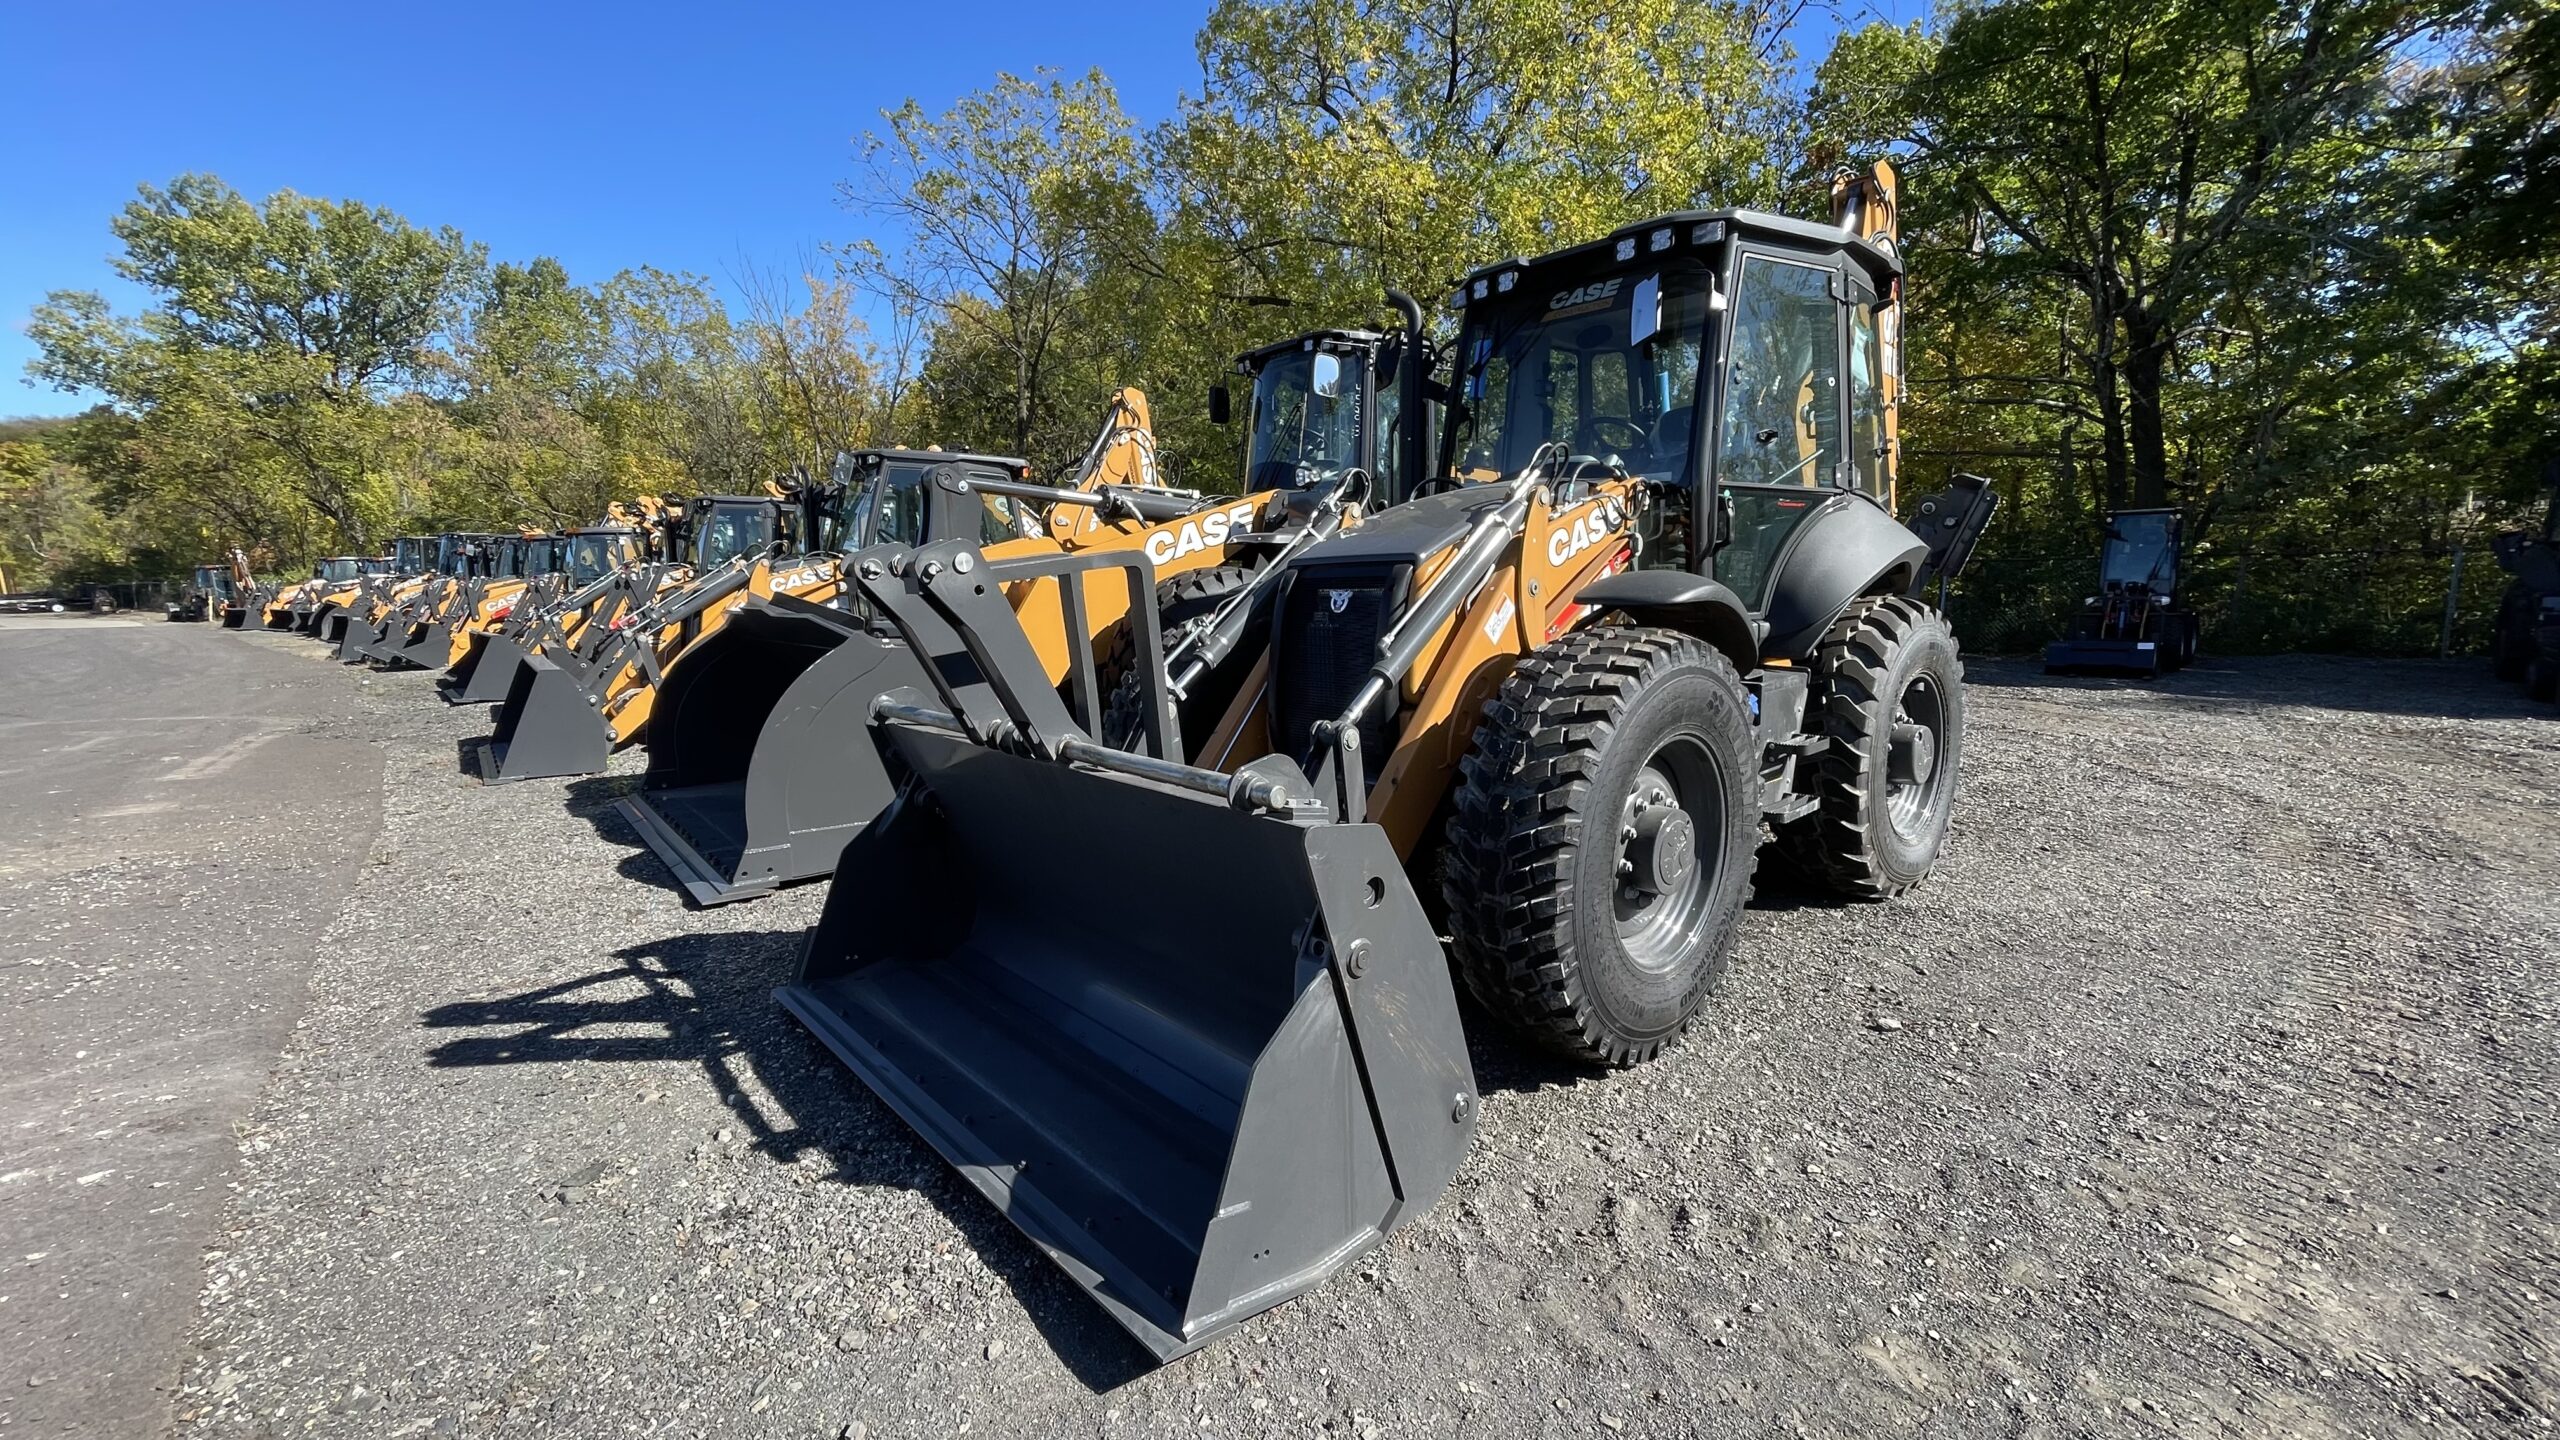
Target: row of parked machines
(1517,642)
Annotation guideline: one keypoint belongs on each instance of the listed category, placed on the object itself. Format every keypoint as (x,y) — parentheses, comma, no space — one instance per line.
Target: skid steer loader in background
(2134,624)
(567,715)
(611,569)
(1568,696)
(2524,640)
(207,590)
(750,785)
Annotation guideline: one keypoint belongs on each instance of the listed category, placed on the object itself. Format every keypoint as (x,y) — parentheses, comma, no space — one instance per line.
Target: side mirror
(1218,411)
(1326,375)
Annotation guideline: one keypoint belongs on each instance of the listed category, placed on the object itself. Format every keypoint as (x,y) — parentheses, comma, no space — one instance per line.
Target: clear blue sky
(690,137)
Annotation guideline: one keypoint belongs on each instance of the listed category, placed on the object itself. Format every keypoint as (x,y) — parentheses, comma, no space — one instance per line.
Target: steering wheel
(1603,433)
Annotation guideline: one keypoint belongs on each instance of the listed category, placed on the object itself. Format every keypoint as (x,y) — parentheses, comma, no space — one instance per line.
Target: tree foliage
(2279,263)
(316,376)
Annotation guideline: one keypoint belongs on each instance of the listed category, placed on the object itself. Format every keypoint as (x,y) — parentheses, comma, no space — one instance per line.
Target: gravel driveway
(2208,1089)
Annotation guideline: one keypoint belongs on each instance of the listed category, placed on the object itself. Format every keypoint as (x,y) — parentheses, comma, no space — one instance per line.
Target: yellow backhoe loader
(413,559)
(567,718)
(415,629)
(1655,600)
(748,787)
(333,581)
(248,598)
(565,713)
(612,569)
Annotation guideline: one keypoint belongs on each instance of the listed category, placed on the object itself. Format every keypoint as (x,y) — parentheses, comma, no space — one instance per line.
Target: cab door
(1781,442)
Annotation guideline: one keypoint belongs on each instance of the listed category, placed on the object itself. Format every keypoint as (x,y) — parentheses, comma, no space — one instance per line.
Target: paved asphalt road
(166,870)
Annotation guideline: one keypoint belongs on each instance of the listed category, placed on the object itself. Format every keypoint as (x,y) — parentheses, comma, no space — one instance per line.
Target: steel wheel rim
(1912,802)
(1659,924)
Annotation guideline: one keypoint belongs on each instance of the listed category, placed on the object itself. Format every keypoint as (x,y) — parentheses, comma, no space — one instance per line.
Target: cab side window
(1782,392)
(1870,449)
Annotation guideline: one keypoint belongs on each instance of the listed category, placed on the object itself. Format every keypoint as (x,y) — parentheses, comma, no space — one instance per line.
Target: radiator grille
(1330,622)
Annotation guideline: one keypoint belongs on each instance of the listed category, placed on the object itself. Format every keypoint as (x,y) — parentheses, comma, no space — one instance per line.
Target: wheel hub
(1912,754)
(1664,848)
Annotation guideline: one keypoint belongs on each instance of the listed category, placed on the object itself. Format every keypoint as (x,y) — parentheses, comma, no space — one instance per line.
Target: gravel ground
(2207,1089)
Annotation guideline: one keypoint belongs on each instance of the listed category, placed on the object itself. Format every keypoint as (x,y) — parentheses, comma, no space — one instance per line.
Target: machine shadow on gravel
(707,1001)
(593,800)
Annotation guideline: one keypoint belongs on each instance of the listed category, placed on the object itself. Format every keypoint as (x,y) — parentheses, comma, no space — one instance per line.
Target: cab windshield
(1607,365)
(342,568)
(2139,552)
(1306,420)
(409,556)
(591,556)
(729,531)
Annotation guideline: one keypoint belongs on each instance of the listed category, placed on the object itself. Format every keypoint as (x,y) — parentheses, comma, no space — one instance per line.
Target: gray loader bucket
(423,646)
(481,676)
(1200,1095)
(331,626)
(546,727)
(356,639)
(760,767)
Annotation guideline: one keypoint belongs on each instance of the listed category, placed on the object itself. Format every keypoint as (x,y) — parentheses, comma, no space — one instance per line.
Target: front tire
(1888,692)
(2511,644)
(1605,825)
(1192,595)
(2542,673)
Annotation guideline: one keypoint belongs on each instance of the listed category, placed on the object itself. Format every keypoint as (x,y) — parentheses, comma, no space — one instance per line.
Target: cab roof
(1253,360)
(937,457)
(1688,232)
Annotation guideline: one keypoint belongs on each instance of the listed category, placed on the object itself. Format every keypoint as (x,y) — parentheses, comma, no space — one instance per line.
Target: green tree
(2136,151)
(1003,209)
(285,323)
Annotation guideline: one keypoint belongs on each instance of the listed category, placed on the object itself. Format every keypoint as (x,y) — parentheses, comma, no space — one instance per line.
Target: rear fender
(1847,549)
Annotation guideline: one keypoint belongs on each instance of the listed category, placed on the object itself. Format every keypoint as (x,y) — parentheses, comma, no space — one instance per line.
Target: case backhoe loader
(439,639)
(1656,600)
(612,570)
(248,597)
(412,557)
(332,580)
(376,634)
(748,786)
(566,715)
(419,633)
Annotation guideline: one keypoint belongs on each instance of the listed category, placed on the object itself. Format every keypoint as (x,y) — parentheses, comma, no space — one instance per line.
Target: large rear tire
(1605,826)
(1888,693)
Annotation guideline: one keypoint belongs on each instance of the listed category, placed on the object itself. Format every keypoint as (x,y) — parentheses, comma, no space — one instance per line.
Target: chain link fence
(2408,601)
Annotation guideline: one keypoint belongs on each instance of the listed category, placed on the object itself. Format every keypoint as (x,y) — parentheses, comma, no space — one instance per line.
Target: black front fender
(1678,600)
